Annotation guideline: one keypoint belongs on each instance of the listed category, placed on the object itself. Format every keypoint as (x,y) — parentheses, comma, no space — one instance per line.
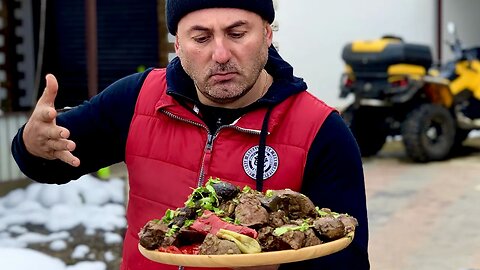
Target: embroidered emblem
(250,160)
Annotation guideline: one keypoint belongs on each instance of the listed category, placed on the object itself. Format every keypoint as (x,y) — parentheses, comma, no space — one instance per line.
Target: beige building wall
(312,33)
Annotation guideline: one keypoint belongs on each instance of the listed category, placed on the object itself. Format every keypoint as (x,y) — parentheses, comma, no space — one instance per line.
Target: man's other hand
(41,135)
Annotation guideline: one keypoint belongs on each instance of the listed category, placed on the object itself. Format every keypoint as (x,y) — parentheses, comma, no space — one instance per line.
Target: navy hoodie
(333,175)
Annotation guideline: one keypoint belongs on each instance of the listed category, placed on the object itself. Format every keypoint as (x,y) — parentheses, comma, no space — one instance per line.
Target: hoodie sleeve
(334,179)
(99,127)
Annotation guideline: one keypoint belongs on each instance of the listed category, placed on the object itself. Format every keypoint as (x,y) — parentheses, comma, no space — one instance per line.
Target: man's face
(223,50)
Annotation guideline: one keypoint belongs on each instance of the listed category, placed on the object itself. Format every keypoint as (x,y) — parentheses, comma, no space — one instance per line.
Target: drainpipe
(91,44)
(439,26)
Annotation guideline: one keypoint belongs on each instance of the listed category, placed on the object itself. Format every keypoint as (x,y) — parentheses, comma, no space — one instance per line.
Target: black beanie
(177,9)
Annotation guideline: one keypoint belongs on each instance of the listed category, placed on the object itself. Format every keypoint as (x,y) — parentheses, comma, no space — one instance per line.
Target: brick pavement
(424,216)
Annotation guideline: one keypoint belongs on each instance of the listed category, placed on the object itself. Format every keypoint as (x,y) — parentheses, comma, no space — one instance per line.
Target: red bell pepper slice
(211,223)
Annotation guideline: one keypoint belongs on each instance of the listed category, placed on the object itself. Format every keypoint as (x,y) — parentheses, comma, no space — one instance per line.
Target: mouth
(221,77)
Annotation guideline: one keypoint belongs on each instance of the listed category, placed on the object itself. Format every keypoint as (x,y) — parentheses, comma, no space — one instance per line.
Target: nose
(221,52)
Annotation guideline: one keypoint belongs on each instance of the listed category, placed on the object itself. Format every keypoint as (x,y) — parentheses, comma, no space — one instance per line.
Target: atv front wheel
(429,133)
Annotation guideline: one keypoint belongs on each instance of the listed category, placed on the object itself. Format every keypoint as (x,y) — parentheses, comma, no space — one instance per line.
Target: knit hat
(177,9)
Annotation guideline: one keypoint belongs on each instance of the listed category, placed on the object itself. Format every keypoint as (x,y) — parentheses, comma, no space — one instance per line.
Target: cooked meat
(266,238)
(295,204)
(225,191)
(182,215)
(329,227)
(152,235)
(311,238)
(349,222)
(213,245)
(277,219)
(294,239)
(188,237)
(228,207)
(249,212)
(269,242)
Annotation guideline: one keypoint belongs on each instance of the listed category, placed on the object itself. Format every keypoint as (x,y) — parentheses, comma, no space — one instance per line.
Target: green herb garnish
(281,230)
(172,230)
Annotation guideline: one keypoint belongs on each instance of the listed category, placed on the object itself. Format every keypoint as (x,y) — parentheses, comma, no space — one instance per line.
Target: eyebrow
(231,26)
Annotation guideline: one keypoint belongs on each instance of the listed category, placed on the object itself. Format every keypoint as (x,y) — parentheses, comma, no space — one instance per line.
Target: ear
(268,33)
(177,45)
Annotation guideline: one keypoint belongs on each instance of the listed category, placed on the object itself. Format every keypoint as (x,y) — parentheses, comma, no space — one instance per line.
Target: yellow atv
(397,92)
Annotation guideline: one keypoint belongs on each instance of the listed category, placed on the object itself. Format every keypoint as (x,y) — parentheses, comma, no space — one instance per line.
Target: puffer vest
(170,151)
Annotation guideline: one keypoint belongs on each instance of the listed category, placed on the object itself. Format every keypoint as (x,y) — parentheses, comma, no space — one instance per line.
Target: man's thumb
(51,90)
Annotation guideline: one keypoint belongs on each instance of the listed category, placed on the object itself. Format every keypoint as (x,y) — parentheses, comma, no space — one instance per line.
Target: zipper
(209,145)
(245,130)
(206,158)
(210,140)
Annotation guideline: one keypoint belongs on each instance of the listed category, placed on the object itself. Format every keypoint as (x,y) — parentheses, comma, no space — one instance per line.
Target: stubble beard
(231,90)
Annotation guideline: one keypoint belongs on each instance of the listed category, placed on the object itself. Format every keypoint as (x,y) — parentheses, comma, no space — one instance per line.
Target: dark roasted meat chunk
(295,204)
(153,234)
(349,222)
(311,239)
(186,237)
(329,227)
(269,242)
(216,246)
(183,214)
(294,239)
(225,191)
(228,208)
(277,219)
(249,212)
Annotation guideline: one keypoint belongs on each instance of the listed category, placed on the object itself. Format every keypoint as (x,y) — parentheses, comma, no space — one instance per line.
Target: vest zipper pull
(209,142)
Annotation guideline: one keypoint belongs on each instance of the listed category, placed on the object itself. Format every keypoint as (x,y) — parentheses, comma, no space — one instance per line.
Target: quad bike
(397,91)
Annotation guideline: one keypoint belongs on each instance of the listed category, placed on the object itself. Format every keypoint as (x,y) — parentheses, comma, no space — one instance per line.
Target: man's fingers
(57,132)
(50,92)
(47,114)
(67,157)
(61,145)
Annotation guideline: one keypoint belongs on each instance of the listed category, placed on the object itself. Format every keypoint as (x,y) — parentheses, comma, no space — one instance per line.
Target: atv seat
(369,57)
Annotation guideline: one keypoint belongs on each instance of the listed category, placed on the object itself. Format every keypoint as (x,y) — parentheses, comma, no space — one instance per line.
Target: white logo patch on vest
(250,160)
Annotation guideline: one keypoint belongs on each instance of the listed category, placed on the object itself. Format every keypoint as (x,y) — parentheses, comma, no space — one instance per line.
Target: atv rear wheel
(429,133)
(368,128)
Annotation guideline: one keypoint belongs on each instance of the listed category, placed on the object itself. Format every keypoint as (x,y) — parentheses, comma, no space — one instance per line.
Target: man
(228,106)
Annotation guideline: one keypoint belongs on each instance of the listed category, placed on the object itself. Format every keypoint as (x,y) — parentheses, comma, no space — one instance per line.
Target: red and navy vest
(169,152)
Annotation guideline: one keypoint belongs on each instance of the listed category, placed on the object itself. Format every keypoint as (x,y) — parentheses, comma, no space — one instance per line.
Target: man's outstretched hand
(41,135)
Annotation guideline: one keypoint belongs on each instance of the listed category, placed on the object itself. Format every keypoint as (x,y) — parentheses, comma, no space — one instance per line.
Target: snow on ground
(27,259)
(88,201)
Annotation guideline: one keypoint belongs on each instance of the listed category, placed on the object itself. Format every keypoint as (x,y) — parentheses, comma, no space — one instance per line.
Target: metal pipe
(40,52)
(439,26)
(92,46)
